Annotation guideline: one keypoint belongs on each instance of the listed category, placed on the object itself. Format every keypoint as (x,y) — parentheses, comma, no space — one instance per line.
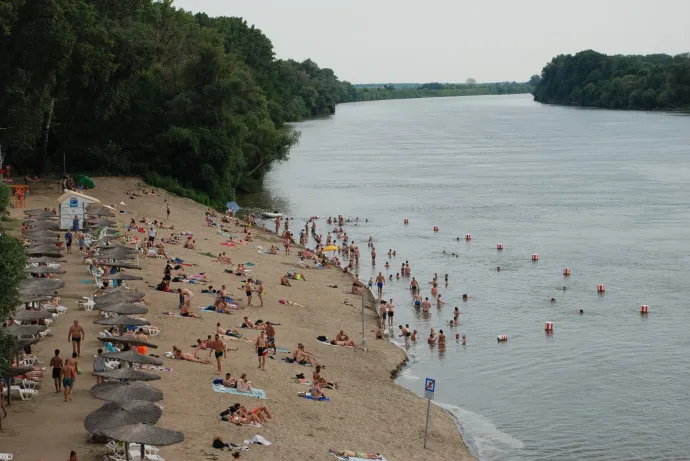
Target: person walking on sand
(75,335)
(69,376)
(261,346)
(56,363)
(68,241)
(167,210)
(271,337)
(248,289)
(260,292)
(99,365)
(277,223)
(220,350)
(380,280)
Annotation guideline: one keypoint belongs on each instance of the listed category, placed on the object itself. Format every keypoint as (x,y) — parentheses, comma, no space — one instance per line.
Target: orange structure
(21,192)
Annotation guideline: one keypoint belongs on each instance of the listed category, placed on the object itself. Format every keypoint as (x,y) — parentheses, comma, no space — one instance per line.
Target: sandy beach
(368,413)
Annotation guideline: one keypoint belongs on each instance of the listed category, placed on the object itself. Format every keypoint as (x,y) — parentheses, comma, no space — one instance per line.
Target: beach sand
(369,413)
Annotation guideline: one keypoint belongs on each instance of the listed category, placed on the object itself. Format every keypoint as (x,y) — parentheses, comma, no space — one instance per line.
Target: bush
(5,195)
(171,185)
(11,273)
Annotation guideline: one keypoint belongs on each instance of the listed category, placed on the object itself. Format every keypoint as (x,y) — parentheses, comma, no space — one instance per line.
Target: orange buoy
(535,257)
(406,221)
(548,326)
(601,288)
(566,271)
(435,228)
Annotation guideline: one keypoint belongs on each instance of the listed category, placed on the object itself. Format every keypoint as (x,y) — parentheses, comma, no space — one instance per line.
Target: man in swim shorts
(414,286)
(261,346)
(76,334)
(271,337)
(380,279)
(56,363)
(68,375)
(220,350)
(248,289)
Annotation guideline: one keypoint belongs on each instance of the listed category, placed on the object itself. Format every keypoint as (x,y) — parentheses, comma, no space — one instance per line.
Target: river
(604,193)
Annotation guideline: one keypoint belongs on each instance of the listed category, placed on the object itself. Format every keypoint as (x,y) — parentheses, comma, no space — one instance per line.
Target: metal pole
(426,430)
(364,343)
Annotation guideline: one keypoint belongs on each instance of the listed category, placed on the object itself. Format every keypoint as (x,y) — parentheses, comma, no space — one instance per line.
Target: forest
(195,104)
(591,79)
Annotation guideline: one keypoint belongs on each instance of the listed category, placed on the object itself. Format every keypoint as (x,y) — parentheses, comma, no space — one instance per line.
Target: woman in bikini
(243,385)
(179,355)
(354,454)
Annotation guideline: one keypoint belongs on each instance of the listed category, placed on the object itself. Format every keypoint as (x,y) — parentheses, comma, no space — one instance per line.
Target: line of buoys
(499,246)
(644,309)
(502,338)
(468,237)
(535,257)
(435,228)
(566,271)
(548,326)
(601,288)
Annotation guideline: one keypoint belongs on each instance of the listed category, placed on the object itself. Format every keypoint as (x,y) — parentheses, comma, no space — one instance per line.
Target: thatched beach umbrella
(25,297)
(114,391)
(16,371)
(39,214)
(44,270)
(121,276)
(119,296)
(120,264)
(128,373)
(23,315)
(21,331)
(143,434)
(43,225)
(132,356)
(131,340)
(122,320)
(40,285)
(44,239)
(122,414)
(45,250)
(44,260)
(113,290)
(100,223)
(114,251)
(100,212)
(23,342)
(123,308)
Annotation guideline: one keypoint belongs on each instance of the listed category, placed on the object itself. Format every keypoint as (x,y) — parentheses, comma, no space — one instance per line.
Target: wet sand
(368,413)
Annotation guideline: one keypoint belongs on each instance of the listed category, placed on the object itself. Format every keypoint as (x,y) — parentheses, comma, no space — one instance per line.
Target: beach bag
(323,339)
(218,381)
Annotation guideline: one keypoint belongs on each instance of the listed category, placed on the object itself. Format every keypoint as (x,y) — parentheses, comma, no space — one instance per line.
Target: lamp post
(364,343)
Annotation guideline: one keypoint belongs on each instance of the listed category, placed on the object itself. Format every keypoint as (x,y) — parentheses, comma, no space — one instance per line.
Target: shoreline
(371,411)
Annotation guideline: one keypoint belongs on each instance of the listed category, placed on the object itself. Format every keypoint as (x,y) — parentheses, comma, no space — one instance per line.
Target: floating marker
(499,246)
(406,221)
(548,326)
(468,237)
(535,257)
(566,271)
(435,228)
(502,338)
(644,309)
(601,288)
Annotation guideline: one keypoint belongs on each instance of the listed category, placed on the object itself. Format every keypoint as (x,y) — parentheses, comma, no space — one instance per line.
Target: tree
(534,80)
(11,273)
(471,81)
(5,196)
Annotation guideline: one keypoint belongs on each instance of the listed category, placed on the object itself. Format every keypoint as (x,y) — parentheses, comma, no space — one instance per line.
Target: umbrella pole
(127,451)
(143,457)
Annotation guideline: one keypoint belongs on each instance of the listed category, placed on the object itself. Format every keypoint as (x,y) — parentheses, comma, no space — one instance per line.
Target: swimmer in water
(417,300)
(582,311)
(498,268)
(464,297)
(426,305)
(397,276)
(553,300)
(432,337)
(446,279)
(456,314)
(565,288)
(441,338)
(414,336)
(439,303)
(464,339)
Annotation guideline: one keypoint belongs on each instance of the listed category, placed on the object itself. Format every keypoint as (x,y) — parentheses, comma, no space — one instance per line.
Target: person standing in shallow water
(373,255)
(380,280)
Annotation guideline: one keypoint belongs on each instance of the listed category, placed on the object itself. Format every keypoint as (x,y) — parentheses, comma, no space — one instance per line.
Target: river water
(604,193)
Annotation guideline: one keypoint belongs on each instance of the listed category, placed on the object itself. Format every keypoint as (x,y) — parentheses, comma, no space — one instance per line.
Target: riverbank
(369,413)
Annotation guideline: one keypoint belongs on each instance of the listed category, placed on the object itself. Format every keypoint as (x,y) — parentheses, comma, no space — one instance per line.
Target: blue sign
(73,202)
(430,385)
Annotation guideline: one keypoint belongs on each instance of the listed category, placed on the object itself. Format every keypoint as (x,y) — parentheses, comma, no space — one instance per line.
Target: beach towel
(356,459)
(307,395)
(282,350)
(292,361)
(227,244)
(257,440)
(155,367)
(175,314)
(86,282)
(257,393)
(302,381)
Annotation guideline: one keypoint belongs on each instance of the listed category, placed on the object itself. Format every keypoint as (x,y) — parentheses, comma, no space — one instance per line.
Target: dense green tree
(588,78)
(11,273)
(5,196)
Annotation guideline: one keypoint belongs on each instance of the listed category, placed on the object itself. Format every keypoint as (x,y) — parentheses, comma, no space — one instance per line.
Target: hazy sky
(451,40)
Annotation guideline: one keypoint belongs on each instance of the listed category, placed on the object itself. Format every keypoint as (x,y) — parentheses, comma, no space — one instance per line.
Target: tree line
(12,265)
(588,78)
(196,104)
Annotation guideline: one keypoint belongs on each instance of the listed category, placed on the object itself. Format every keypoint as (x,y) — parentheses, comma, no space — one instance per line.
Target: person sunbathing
(190,243)
(273,250)
(348,343)
(303,357)
(179,355)
(261,411)
(229,381)
(321,381)
(289,303)
(224,259)
(243,385)
(284,281)
(185,312)
(296,276)
(248,419)
(316,392)
(231,332)
(354,454)
(341,336)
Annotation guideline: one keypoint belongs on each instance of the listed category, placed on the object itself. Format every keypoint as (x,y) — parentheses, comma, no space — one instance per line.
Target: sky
(381,41)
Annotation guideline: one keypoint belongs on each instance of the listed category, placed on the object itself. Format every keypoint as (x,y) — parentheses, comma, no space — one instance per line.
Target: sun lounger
(6,456)
(24,394)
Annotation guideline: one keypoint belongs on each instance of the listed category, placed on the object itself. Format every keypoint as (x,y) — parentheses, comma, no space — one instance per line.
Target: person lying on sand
(289,303)
(248,419)
(223,258)
(179,355)
(261,411)
(296,276)
(231,332)
(348,343)
(303,357)
(354,454)
(259,325)
(284,281)
(185,312)
(341,336)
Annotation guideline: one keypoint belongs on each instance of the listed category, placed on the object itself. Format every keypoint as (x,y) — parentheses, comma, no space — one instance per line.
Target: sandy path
(370,412)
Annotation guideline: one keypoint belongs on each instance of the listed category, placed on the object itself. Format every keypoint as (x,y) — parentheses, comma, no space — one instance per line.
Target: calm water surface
(604,193)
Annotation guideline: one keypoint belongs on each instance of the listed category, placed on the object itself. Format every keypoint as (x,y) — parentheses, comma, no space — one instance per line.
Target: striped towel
(257,393)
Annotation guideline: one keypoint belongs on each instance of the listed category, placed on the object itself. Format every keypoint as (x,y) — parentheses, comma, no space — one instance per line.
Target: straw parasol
(19,331)
(131,340)
(40,285)
(120,264)
(143,434)
(43,225)
(122,414)
(43,239)
(44,270)
(113,391)
(119,296)
(44,260)
(121,276)
(40,214)
(133,356)
(46,243)
(122,320)
(23,315)
(45,250)
(16,371)
(100,212)
(100,223)
(42,233)
(23,342)
(25,297)
(113,290)
(108,251)
(123,308)
(128,373)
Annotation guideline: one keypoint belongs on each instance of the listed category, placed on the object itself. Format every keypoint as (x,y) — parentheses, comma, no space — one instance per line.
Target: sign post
(429,389)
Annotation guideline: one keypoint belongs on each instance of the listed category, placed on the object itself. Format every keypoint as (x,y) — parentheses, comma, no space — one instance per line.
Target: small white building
(74,204)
